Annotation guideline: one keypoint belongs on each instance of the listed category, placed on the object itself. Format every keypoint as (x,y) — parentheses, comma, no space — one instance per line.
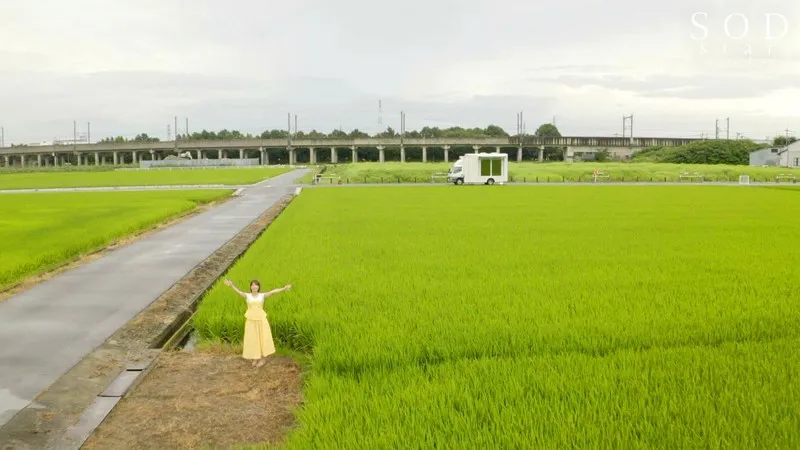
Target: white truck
(480,168)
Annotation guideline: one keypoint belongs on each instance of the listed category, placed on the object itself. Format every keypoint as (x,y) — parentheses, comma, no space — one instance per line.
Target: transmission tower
(627,125)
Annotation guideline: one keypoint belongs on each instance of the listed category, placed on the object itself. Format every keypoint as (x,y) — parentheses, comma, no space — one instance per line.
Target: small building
(790,156)
(769,156)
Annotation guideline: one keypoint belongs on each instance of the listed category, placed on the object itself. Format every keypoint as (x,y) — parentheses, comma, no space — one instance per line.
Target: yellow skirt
(257,339)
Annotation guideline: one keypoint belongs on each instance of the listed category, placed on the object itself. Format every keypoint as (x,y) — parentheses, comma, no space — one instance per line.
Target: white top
(258,298)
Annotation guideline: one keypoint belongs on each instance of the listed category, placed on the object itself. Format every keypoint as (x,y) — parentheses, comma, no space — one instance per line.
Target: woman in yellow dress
(258,342)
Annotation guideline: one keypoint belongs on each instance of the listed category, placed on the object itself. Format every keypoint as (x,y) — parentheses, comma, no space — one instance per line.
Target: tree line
(491,131)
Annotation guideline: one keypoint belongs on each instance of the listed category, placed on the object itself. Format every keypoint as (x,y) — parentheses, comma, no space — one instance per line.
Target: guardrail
(319,177)
(787,177)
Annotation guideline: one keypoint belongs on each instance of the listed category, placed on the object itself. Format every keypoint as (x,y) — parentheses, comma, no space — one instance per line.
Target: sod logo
(744,35)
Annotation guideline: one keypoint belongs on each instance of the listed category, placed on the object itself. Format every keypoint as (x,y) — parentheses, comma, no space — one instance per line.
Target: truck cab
(456,173)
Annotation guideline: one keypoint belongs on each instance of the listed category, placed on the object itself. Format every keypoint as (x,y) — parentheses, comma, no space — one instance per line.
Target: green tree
(144,138)
(495,131)
(547,130)
(357,134)
(550,153)
(113,140)
(602,155)
(715,151)
(781,141)
(389,133)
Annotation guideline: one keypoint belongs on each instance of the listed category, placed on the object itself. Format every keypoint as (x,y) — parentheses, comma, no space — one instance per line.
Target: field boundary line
(67,412)
(174,187)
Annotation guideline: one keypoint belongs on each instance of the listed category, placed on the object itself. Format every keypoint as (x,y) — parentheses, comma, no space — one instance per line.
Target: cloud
(130,67)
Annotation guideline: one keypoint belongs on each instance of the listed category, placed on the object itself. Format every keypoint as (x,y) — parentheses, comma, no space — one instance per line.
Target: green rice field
(534,316)
(40,232)
(393,172)
(74,179)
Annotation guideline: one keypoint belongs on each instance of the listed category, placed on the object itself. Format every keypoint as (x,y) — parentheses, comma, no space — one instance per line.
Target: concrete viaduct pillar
(424,154)
(402,154)
(475,148)
(134,159)
(355,154)
(241,153)
(22,160)
(446,153)
(381,154)
(6,160)
(116,158)
(541,153)
(312,155)
(292,158)
(519,154)
(334,156)
(220,153)
(39,160)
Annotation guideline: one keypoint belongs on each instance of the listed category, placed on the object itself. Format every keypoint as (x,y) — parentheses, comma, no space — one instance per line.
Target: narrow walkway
(47,329)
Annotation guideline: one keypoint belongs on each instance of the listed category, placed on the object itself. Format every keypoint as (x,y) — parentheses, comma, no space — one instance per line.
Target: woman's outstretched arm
(230,284)
(276,291)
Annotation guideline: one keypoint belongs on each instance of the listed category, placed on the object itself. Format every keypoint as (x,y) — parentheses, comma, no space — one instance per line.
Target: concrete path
(47,329)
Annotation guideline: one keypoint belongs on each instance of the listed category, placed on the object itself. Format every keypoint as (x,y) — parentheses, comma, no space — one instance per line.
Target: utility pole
(176,134)
(169,133)
(74,134)
(716,129)
(88,132)
(295,125)
(2,137)
(187,128)
(728,129)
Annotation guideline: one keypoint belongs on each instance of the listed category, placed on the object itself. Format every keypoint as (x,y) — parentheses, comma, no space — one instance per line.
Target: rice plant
(654,316)
(98,178)
(39,232)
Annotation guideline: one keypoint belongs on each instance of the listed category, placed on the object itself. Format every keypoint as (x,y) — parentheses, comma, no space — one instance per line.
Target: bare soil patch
(197,399)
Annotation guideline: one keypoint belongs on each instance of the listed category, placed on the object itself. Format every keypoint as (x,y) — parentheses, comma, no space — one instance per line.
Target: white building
(790,156)
(777,156)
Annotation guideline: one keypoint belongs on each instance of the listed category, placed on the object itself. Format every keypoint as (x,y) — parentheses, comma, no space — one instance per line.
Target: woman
(258,342)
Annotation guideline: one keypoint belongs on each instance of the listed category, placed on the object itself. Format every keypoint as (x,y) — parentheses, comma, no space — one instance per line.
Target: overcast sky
(130,66)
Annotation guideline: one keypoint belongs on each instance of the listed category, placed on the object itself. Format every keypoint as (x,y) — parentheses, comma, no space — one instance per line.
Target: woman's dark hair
(257,283)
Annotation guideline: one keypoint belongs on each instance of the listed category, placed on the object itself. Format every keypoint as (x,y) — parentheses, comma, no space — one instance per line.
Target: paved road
(47,329)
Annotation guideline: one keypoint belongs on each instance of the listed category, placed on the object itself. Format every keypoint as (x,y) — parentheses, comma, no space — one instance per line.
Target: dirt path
(194,399)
